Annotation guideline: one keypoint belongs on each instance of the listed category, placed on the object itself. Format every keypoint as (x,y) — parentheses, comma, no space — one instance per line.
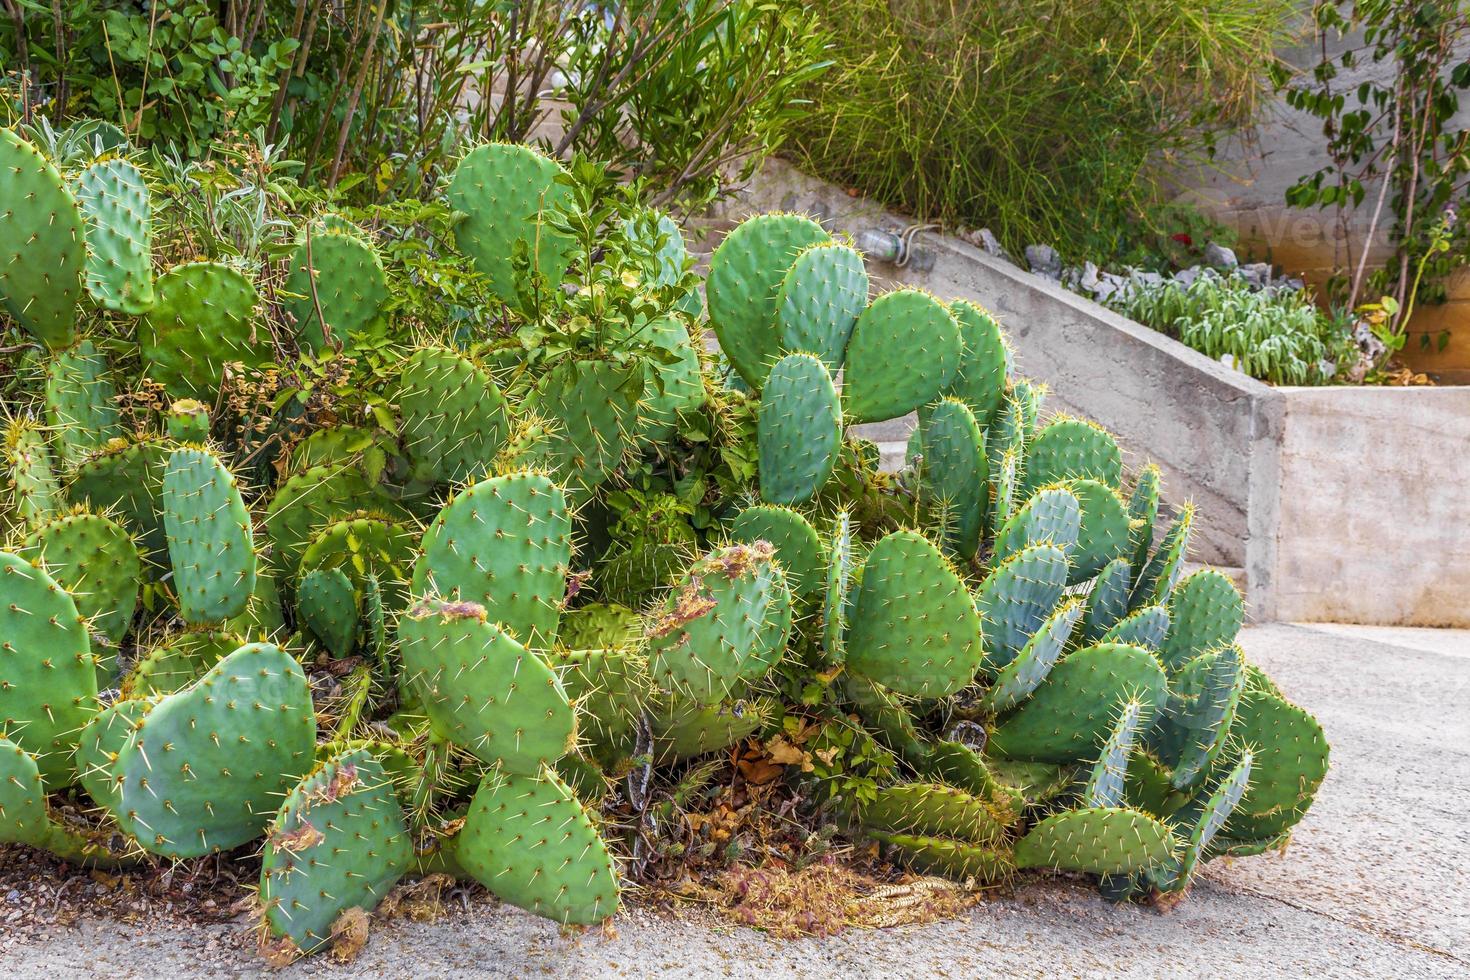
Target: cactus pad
(980,381)
(1018,679)
(905,349)
(1073,709)
(209,537)
(1289,764)
(835,598)
(914,625)
(820,299)
(683,729)
(339,841)
(595,405)
(1103,534)
(43,252)
(1018,597)
(725,622)
(955,474)
(799,429)
(202,319)
(454,419)
(1109,773)
(956,859)
(312,499)
(482,689)
(1142,628)
(503,192)
(505,544)
(125,479)
(179,661)
(1107,603)
(32,472)
(528,840)
(101,739)
(96,562)
(798,547)
(118,219)
(1101,840)
(330,607)
(1052,516)
(932,810)
(81,406)
(746,273)
(205,770)
(1205,613)
(1072,449)
(338,273)
(1156,583)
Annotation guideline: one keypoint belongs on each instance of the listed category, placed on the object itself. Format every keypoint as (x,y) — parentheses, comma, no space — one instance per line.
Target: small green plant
(1275,334)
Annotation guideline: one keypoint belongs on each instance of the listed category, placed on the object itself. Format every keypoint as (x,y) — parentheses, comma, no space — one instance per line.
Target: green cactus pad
(81,402)
(683,729)
(44,254)
(340,444)
(1103,535)
(528,840)
(798,547)
(835,596)
(336,273)
(48,676)
(1101,840)
(980,381)
(1290,762)
(1143,510)
(206,768)
(125,479)
(339,841)
(32,472)
(209,537)
(1141,628)
(1018,679)
(1072,449)
(960,860)
(595,408)
(117,212)
(454,419)
(483,690)
(1205,613)
(914,625)
(1017,598)
(1107,603)
(179,661)
(505,544)
(187,421)
(312,499)
(102,738)
(610,689)
(1105,782)
(203,318)
(799,429)
(1052,516)
(600,625)
(819,301)
(958,765)
(1071,712)
(1156,583)
(932,810)
(1037,783)
(743,289)
(1005,478)
(26,819)
(330,607)
(955,474)
(97,563)
(726,622)
(672,382)
(504,192)
(904,351)
(1203,818)
(365,544)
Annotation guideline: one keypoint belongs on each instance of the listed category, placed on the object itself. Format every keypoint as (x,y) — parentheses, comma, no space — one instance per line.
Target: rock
(1186,277)
(1044,261)
(1294,283)
(1258,274)
(1146,278)
(988,243)
(1220,257)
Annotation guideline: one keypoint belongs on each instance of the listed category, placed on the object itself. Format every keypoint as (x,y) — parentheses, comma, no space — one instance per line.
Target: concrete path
(1375,883)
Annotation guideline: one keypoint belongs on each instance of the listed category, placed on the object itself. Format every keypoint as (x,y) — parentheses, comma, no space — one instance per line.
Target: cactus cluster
(437,634)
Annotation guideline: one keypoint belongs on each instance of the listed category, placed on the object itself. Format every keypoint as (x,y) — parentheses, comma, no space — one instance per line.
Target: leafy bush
(1044,122)
(1275,334)
(673,92)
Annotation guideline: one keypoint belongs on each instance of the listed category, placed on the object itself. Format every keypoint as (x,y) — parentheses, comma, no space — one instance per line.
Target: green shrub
(1044,122)
(1274,334)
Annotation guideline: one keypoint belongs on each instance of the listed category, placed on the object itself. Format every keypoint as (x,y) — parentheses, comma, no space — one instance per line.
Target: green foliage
(1275,334)
(1045,123)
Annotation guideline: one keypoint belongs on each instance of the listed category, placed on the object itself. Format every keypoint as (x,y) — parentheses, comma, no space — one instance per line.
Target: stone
(1186,277)
(1258,274)
(1044,261)
(1220,257)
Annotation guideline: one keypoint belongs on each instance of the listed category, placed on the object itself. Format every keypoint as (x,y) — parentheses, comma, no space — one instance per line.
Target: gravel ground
(1374,883)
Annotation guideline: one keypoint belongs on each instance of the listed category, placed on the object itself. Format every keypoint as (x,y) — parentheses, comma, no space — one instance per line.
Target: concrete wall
(1245,187)
(1327,503)
(1374,513)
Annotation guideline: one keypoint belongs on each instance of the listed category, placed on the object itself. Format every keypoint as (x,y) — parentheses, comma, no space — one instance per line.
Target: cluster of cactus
(424,640)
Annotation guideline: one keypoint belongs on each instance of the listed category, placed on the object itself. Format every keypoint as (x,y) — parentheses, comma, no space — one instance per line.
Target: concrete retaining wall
(1329,504)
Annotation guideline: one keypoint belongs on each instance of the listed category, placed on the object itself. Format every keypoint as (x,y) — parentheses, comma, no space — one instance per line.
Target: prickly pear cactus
(43,254)
(904,351)
(799,429)
(335,276)
(117,212)
(210,544)
(202,318)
